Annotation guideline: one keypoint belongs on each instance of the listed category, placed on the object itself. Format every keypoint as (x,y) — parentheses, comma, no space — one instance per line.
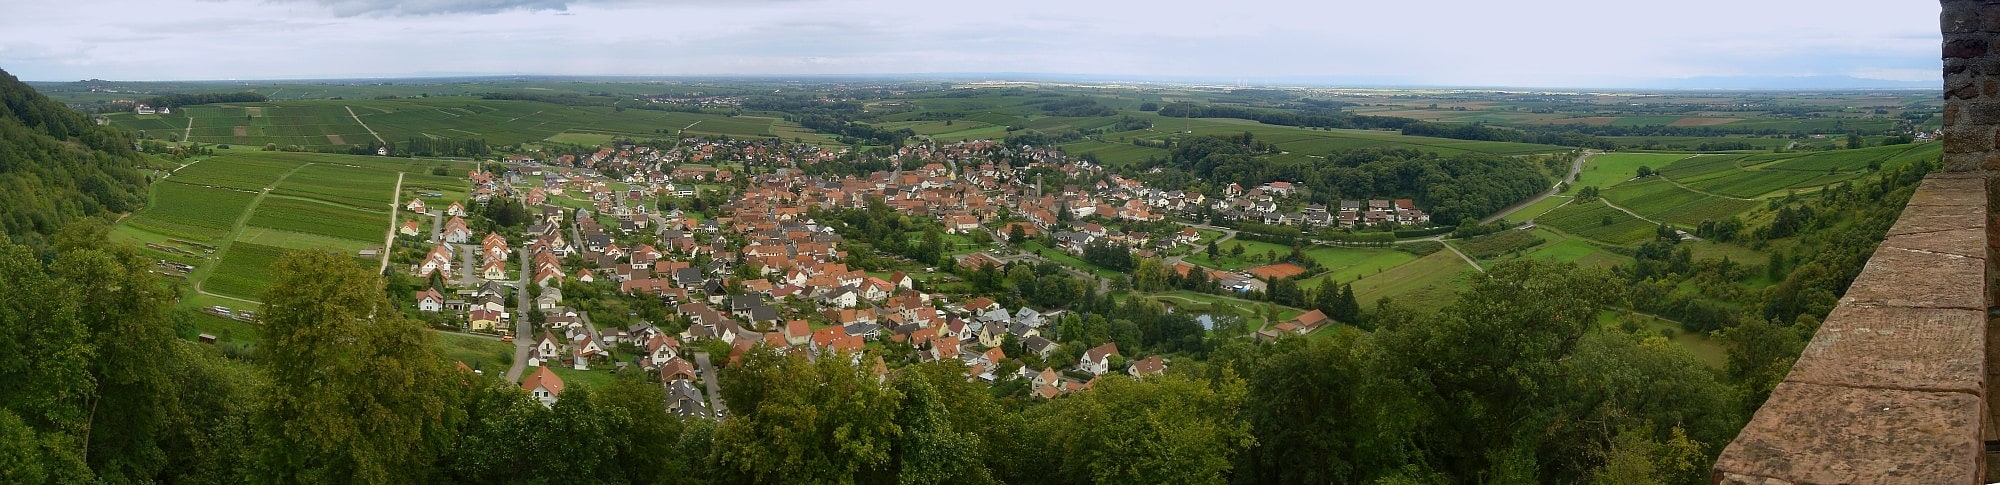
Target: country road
(364,126)
(1575,168)
(1684,234)
(389,241)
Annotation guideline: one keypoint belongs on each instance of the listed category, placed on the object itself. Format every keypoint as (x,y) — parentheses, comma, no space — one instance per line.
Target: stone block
(1965,48)
(1933,218)
(1965,138)
(1985,111)
(1809,433)
(1970,242)
(1922,279)
(1915,349)
(1949,189)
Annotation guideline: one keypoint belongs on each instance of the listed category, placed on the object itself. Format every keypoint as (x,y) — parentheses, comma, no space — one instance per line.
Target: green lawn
(1065,258)
(1255,253)
(597,376)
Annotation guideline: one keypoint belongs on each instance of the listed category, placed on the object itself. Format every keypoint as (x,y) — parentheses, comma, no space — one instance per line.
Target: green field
(1659,199)
(1429,283)
(190,212)
(244,272)
(1610,169)
(1346,265)
(1598,221)
(322,218)
(349,185)
(1255,253)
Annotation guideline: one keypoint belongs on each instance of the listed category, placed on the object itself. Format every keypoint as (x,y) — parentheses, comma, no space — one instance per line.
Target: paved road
(714,391)
(1575,168)
(468,274)
(523,331)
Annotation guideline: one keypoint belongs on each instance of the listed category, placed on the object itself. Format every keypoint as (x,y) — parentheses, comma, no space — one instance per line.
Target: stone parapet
(1893,387)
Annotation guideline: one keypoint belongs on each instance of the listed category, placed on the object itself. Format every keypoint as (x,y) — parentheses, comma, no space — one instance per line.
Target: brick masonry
(1894,386)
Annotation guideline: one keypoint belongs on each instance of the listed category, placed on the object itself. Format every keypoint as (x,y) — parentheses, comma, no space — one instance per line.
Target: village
(764,272)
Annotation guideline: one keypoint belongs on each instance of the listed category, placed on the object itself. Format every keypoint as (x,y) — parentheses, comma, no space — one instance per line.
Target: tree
(1212,250)
(1168,429)
(1016,234)
(804,421)
(357,391)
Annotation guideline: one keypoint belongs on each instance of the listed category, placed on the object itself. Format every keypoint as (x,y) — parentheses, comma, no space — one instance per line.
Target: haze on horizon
(1536,43)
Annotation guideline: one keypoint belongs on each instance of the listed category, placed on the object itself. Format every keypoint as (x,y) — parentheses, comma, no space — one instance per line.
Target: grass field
(1604,171)
(349,185)
(1255,253)
(1429,283)
(1346,265)
(479,353)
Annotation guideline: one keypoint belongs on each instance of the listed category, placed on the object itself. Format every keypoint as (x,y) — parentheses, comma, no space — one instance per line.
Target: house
(430,300)
(1309,321)
(409,228)
(456,232)
(684,400)
(1098,360)
(481,319)
(415,205)
(493,270)
(1150,366)
(544,385)
(550,299)
(1038,345)
(455,210)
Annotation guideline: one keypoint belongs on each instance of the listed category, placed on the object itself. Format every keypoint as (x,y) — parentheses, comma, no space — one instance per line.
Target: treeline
(1077,108)
(56,166)
(424,146)
(565,99)
(178,100)
(1451,189)
(863,133)
(1318,118)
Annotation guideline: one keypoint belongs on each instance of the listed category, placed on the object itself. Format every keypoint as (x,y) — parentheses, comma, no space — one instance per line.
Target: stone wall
(1893,388)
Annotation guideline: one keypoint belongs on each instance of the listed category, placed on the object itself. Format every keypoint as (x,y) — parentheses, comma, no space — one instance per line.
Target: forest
(56,165)
(1453,188)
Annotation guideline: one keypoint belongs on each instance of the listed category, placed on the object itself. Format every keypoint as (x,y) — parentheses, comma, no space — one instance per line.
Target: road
(1575,168)
(1227,234)
(389,242)
(714,391)
(468,274)
(523,331)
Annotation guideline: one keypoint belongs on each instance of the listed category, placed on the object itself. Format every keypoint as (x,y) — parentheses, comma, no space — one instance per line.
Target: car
(509,338)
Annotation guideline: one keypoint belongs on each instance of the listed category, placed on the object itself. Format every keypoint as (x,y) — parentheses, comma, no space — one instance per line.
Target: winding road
(1575,168)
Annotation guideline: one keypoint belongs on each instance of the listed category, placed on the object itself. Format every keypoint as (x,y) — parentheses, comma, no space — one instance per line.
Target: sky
(1521,43)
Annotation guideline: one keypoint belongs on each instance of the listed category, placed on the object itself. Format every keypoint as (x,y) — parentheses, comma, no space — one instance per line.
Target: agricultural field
(244,272)
(1659,199)
(1427,283)
(1606,170)
(190,211)
(1345,265)
(346,185)
(1597,221)
(322,218)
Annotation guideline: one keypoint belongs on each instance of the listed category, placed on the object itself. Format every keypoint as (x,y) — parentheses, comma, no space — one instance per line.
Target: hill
(57,165)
